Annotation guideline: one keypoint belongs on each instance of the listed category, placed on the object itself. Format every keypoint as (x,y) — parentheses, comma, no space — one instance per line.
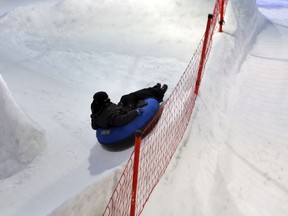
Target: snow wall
(21,140)
(247,23)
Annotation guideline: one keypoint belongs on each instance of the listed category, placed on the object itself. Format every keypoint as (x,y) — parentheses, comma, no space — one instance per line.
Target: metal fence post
(221,22)
(135,172)
(203,54)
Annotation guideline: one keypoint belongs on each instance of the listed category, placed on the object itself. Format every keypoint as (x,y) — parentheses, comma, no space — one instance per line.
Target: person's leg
(128,100)
(156,92)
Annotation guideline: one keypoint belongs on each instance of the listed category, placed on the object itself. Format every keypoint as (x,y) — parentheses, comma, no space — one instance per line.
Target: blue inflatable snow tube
(124,135)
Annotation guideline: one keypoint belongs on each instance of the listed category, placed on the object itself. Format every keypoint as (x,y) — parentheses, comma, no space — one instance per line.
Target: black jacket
(110,115)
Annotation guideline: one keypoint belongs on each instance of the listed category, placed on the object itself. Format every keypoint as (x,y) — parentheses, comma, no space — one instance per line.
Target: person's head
(99,99)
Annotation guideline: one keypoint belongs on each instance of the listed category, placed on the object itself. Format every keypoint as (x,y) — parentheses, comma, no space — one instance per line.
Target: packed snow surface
(56,54)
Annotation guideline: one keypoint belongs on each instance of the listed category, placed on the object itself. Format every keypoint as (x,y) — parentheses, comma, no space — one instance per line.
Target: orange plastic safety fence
(159,146)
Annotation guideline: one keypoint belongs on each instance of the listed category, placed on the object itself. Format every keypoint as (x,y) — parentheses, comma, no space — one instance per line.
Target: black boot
(164,88)
(158,85)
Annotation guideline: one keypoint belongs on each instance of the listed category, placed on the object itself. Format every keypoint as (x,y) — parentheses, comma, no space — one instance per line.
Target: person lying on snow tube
(106,114)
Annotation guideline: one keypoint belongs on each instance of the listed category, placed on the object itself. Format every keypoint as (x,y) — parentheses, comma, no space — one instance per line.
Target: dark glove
(139,111)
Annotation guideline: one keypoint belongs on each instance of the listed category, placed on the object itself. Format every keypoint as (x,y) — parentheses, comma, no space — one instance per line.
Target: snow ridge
(21,140)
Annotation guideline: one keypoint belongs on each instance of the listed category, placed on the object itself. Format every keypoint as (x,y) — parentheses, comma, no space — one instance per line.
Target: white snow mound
(20,139)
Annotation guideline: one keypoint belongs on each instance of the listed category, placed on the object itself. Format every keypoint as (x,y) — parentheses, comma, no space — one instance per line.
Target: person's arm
(93,124)
(122,119)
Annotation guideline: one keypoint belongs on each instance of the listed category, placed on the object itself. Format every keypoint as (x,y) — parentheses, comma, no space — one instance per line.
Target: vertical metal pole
(135,172)
(221,22)
(203,54)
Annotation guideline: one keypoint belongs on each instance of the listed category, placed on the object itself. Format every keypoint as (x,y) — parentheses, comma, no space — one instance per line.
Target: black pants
(133,98)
